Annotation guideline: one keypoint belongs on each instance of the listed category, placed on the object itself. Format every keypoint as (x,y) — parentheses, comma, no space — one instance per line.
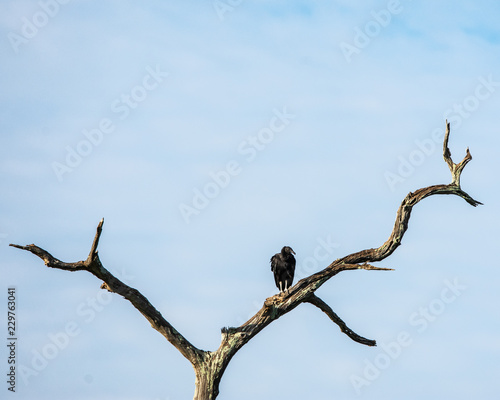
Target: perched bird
(283,267)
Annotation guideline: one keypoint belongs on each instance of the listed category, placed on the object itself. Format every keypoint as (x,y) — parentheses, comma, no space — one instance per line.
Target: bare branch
(95,243)
(455,169)
(315,300)
(51,261)
(278,305)
(210,366)
(446,149)
(404,211)
(113,284)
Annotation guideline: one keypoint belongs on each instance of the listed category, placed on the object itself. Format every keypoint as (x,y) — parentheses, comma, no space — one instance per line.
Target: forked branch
(303,290)
(93,265)
(455,169)
(210,366)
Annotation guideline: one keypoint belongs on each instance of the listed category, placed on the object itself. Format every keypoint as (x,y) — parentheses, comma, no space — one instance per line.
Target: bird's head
(287,250)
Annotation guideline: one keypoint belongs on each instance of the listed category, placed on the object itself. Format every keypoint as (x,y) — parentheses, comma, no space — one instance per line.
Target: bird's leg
(281,289)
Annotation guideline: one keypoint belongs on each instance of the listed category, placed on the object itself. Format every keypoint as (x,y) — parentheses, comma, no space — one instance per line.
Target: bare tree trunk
(205,387)
(209,372)
(210,366)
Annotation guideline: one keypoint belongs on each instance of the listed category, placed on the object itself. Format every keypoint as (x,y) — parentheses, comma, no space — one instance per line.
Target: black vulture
(283,267)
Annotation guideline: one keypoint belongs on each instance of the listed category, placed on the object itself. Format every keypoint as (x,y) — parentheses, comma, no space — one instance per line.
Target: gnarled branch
(93,265)
(303,290)
(210,366)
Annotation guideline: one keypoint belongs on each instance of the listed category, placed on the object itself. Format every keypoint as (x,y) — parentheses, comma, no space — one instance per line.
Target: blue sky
(209,134)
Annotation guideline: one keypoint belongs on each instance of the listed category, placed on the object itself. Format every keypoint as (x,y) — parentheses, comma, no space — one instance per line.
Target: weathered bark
(209,366)
(207,378)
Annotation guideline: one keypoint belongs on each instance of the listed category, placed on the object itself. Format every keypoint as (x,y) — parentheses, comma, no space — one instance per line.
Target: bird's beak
(293,252)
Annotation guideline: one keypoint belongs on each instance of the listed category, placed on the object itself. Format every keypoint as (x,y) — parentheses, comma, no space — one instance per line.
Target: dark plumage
(283,267)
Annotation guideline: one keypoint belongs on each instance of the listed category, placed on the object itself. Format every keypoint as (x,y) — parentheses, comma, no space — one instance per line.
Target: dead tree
(209,366)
